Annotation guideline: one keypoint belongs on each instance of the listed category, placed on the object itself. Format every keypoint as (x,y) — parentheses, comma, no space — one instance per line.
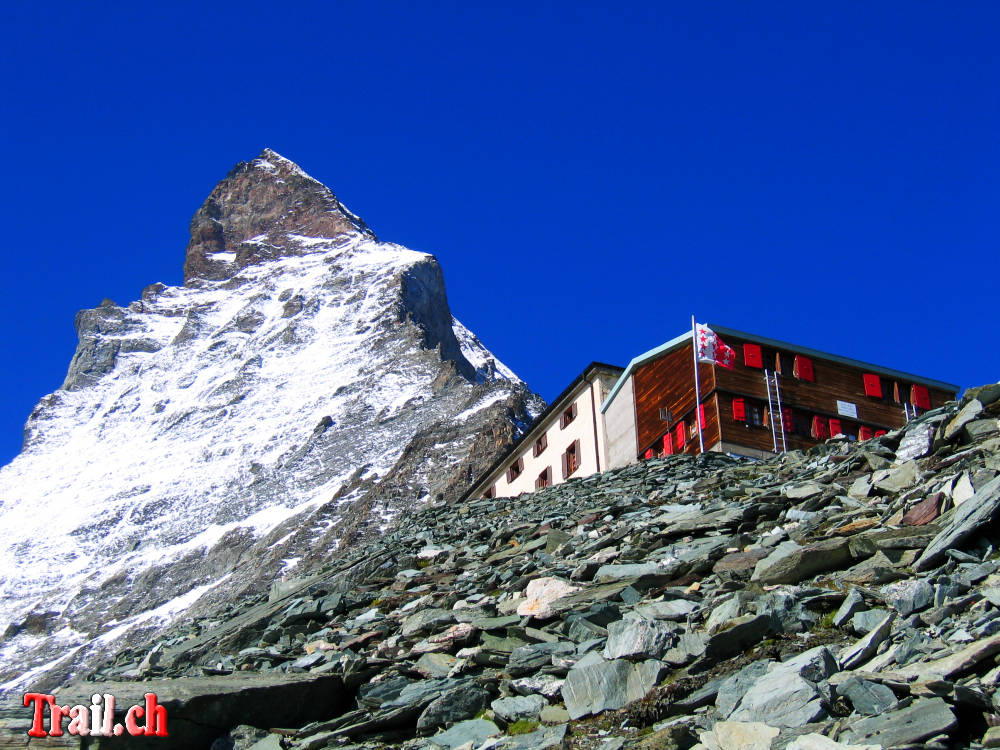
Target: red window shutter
(803,368)
(701,415)
(679,435)
(895,392)
(835,427)
(819,428)
(752,356)
(565,464)
(920,397)
(739,410)
(879,433)
(864,433)
(873,385)
(786,419)
(668,444)
(648,454)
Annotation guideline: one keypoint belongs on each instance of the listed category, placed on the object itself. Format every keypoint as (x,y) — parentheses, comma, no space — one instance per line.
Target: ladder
(777,422)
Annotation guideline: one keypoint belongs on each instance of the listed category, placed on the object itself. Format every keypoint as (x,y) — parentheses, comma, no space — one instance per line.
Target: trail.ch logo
(97,719)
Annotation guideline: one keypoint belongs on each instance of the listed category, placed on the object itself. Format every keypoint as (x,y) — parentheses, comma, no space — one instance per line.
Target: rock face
(304,387)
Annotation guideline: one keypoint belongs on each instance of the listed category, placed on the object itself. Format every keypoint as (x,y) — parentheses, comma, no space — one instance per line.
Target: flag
(712,349)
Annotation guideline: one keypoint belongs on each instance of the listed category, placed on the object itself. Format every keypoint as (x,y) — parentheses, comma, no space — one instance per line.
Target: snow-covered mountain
(305,385)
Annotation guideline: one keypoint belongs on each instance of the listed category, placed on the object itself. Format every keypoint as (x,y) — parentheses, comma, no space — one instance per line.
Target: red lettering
(156,714)
(131,723)
(40,700)
(58,713)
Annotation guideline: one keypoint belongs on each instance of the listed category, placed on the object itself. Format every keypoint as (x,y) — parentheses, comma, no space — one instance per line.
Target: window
(787,422)
(920,397)
(515,469)
(571,459)
(541,444)
(896,398)
(490,493)
(567,416)
(755,416)
(864,433)
(820,429)
(544,479)
(782,363)
(803,368)
(668,445)
(752,356)
(835,428)
(873,385)
(739,410)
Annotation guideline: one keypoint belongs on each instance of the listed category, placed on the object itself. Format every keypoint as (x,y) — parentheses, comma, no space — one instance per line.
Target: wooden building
(566,440)
(777,397)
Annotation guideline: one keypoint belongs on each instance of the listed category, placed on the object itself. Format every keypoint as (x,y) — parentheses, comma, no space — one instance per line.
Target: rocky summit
(304,386)
(845,597)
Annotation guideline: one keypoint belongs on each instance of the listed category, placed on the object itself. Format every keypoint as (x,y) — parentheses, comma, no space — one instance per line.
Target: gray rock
(457,704)
(688,647)
(853,603)
(790,563)
(634,638)
(787,694)
(731,690)
(868,698)
(865,648)
(542,684)
(803,490)
(427,621)
(742,632)
(864,621)
(916,442)
(518,707)
(435,664)
(614,573)
(979,510)
(543,738)
(527,659)
(476,731)
(916,722)
(910,596)
(594,684)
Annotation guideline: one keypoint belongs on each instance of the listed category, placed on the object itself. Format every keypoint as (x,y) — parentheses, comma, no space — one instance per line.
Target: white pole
(697,388)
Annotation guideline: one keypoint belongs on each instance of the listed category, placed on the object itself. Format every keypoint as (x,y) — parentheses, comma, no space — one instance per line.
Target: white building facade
(567,440)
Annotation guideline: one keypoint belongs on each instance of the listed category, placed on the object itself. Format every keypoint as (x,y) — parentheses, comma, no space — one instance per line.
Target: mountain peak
(261,211)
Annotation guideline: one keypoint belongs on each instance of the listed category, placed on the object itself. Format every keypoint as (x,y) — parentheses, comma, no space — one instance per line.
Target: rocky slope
(846,597)
(305,385)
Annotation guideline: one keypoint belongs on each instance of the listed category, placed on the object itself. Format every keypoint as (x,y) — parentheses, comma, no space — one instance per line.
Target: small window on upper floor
(752,356)
(803,368)
(540,445)
(490,493)
(873,385)
(515,469)
(571,459)
(544,479)
(567,416)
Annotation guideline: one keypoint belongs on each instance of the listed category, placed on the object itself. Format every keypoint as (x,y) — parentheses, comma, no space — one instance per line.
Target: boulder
(595,684)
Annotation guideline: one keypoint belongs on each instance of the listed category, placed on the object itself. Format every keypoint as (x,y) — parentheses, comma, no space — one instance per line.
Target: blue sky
(589,175)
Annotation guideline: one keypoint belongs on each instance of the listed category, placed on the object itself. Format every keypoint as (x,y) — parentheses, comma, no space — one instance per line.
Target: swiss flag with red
(712,349)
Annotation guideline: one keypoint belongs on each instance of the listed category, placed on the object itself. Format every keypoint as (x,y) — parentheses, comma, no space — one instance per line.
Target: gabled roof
(723,332)
(530,433)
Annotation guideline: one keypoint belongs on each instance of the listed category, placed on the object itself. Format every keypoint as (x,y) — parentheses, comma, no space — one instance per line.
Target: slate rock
(853,603)
(787,694)
(540,594)
(595,684)
(457,704)
(518,707)
(739,735)
(864,621)
(542,684)
(740,633)
(435,664)
(918,721)
(976,512)
(638,639)
(868,698)
(791,563)
(731,690)
(910,596)
(476,731)
(543,738)
(426,621)
(532,657)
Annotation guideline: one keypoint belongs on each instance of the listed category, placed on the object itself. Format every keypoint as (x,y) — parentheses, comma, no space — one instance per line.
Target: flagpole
(697,388)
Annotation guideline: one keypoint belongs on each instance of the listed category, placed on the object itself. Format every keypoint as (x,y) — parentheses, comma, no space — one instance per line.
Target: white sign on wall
(847,409)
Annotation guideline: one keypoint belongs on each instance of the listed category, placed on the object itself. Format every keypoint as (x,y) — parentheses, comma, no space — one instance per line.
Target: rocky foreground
(846,597)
